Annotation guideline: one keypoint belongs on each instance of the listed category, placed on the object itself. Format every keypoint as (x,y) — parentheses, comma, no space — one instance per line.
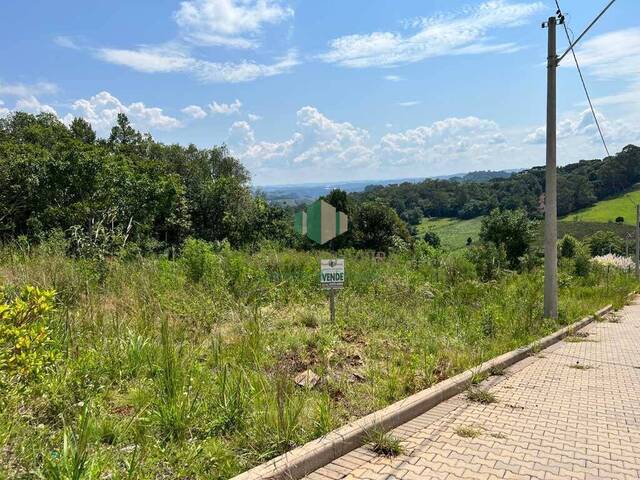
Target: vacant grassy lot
(453,232)
(151,368)
(608,210)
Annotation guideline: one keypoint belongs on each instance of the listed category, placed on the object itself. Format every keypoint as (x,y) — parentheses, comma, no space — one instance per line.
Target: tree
(123,133)
(509,229)
(82,130)
(605,241)
(432,238)
(376,226)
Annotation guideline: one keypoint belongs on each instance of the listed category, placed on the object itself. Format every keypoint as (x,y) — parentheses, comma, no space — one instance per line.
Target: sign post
(332,279)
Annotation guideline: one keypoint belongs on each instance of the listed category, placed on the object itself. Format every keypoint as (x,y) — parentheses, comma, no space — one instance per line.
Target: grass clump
(468,432)
(580,366)
(480,395)
(384,444)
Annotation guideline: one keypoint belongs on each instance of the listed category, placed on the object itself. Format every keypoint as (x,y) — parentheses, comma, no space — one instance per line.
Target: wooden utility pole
(550,205)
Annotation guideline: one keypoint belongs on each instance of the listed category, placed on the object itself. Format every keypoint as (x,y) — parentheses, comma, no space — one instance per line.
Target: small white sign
(332,273)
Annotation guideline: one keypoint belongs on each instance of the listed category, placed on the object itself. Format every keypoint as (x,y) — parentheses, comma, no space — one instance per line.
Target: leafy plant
(27,346)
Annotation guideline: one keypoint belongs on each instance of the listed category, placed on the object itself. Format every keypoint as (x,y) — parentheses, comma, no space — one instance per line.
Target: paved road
(551,421)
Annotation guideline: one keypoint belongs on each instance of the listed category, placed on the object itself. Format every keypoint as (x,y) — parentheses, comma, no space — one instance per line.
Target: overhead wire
(582,80)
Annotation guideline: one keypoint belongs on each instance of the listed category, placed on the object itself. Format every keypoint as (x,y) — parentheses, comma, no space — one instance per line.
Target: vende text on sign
(332,273)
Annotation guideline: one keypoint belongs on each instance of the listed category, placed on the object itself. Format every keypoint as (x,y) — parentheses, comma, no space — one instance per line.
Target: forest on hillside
(580,185)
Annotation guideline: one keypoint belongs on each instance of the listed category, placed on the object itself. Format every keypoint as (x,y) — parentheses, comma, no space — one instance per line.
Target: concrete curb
(305,459)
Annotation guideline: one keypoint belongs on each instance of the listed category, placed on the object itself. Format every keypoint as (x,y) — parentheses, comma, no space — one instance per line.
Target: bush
(619,219)
(199,259)
(509,229)
(26,345)
(432,238)
(582,265)
(568,246)
(488,260)
(605,241)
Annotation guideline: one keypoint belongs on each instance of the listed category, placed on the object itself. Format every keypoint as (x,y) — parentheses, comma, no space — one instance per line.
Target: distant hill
(580,186)
(295,194)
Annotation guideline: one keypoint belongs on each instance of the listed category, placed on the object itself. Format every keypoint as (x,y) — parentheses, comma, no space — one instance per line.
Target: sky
(334,90)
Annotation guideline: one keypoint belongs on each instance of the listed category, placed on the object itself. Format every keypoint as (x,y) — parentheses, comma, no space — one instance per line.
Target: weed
(480,396)
(468,432)
(175,404)
(309,320)
(384,444)
(497,371)
(580,366)
(498,435)
(73,461)
(478,378)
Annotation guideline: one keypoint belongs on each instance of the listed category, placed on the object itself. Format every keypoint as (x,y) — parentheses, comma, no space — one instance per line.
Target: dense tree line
(580,185)
(129,189)
(54,177)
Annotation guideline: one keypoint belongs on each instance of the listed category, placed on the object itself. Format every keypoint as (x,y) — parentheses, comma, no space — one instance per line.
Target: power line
(575,58)
(571,45)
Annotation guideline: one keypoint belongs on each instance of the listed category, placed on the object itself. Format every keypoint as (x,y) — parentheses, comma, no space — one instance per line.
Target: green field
(607,210)
(453,232)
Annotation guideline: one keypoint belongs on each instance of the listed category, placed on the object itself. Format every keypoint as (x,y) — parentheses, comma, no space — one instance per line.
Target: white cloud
(232,23)
(253,117)
(149,59)
(465,32)
(582,124)
(66,42)
(226,108)
(613,56)
(322,145)
(393,78)
(194,111)
(32,105)
(411,103)
(172,58)
(25,90)
(319,141)
(3,110)
(102,110)
(445,141)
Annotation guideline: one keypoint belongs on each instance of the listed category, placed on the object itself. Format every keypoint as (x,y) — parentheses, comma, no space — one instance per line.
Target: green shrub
(568,246)
(199,259)
(432,238)
(488,260)
(582,262)
(605,241)
(27,348)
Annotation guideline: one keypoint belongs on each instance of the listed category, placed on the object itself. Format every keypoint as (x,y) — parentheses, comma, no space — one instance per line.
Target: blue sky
(314,91)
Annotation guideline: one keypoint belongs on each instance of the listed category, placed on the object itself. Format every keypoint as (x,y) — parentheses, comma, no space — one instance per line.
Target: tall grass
(189,364)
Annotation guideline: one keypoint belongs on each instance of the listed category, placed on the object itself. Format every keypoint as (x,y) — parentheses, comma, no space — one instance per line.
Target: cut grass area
(453,232)
(187,368)
(608,210)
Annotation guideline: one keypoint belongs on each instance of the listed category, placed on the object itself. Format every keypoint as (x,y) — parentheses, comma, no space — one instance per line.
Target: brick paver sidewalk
(552,420)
